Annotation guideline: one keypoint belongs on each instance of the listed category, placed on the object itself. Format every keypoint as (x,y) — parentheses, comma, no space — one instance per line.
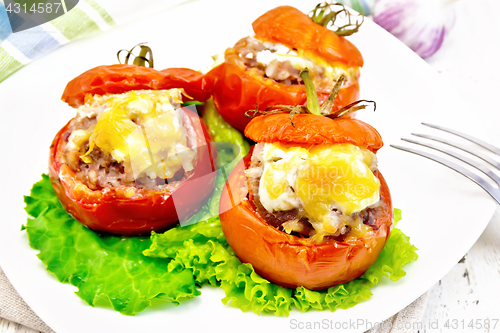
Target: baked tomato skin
(129,210)
(313,129)
(288,25)
(292,261)
(120,78)
(236,90)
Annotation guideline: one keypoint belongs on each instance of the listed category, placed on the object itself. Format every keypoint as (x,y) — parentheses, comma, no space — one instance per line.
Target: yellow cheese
(318,179)
(144,129)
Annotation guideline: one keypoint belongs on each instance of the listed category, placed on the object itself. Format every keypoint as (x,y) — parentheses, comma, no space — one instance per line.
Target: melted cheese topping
(143,128)
(319,180)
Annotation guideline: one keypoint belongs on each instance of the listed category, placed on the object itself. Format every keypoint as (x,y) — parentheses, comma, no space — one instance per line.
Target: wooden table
(469,291)
(470,61)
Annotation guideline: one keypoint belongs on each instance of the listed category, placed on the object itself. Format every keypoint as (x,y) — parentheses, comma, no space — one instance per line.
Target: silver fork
(492,190)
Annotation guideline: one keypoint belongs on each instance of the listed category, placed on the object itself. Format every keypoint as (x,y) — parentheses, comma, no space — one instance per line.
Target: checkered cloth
(88,16)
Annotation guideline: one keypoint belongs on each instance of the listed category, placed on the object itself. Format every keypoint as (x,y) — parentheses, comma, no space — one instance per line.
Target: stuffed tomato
(132,149)
(308,207)
(264,69)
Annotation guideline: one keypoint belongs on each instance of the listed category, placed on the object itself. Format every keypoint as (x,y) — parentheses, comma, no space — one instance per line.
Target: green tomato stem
(141,59)
(312,96)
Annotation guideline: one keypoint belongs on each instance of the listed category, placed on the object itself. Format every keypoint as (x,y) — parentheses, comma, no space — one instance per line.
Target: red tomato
(285,259)
(312,129)
(117,79)
(132,210)
(112,210)
(236,90)
(288,25)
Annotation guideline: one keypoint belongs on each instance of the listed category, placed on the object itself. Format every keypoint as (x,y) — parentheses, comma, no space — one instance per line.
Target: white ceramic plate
(443,212)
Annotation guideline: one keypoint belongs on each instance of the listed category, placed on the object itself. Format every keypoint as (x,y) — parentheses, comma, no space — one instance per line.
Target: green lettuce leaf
(102,267)
(221,130)
(129,272)
(112,268)
(212,261)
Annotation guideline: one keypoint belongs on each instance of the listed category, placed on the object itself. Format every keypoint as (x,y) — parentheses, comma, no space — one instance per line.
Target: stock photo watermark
(26,14)
(364,324)
(331,180)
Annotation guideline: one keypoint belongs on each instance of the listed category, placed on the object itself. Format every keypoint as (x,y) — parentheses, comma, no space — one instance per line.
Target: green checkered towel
(80,17)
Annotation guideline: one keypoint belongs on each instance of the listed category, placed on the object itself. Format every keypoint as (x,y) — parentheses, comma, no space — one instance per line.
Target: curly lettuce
(101,267)
(129,272)
(203,249)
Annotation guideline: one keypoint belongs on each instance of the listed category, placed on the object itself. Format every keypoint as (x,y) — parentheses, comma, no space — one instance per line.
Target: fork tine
(467,173)
(483,144)
(462,158)
(481,156)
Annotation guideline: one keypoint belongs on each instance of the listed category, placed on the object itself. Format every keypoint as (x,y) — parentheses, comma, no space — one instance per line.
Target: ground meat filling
(280,219)
(262,59)
(104,171)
